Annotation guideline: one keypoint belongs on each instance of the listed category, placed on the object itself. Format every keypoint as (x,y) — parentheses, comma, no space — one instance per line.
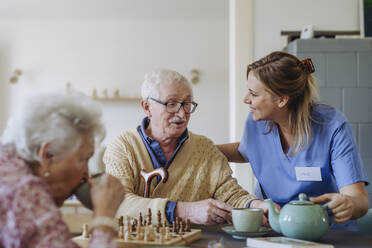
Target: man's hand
(341,205)
(207,212)
(265,208)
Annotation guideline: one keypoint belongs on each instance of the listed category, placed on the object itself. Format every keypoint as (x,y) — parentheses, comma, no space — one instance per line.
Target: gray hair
(152,80)
(58,118)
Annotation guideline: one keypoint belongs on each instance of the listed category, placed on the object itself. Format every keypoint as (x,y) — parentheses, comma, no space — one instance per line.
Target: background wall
(272,16)
(112,43)
(106,48)
(268,18)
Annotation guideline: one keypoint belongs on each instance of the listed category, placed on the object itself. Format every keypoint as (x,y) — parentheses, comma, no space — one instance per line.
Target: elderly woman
(296,144)
(44,155)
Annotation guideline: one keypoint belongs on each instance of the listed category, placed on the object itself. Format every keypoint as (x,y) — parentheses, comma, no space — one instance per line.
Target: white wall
(116,53)
(268,18)
(272,16)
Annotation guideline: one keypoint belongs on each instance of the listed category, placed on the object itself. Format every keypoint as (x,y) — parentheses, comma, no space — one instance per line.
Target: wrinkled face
(167,124)
(263,104)
(66,173)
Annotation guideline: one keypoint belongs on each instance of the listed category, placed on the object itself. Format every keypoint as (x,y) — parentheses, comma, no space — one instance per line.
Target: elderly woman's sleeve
(35,220)
(227,188)
(120,162)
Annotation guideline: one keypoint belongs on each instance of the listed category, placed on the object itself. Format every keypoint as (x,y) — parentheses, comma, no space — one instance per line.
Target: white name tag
(308,174)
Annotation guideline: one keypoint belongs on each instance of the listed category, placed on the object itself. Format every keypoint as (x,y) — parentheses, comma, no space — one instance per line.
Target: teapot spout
(273,216)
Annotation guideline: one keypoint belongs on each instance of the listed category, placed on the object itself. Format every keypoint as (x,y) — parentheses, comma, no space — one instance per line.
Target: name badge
(308,174)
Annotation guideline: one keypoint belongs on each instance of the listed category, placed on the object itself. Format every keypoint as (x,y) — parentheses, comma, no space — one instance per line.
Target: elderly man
(199,185)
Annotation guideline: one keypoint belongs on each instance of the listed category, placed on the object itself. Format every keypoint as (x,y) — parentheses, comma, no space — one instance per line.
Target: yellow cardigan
(199,171)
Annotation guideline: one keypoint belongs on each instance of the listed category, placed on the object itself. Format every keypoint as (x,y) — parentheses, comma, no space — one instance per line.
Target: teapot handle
(325,206)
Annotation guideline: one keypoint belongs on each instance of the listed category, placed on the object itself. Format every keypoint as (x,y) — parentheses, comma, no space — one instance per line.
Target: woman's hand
(341,205)
(351,203)
(106,195)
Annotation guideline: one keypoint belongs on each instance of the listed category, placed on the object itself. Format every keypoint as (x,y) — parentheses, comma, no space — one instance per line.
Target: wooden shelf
(293,35)
(117,99)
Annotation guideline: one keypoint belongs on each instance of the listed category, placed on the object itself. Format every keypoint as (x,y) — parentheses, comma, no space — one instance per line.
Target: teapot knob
(302,197)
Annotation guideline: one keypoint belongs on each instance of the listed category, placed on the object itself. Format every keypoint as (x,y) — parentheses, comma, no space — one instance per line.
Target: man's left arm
(227,188)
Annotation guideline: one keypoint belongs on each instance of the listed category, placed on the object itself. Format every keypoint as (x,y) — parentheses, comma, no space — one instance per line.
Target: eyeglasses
(174,107)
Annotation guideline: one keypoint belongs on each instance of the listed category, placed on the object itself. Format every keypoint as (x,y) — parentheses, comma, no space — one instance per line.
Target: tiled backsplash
(344,76)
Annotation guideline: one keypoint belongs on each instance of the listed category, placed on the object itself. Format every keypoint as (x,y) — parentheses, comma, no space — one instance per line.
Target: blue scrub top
(332,149)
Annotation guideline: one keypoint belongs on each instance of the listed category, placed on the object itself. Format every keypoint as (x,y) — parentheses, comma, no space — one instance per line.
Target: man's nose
(181,112)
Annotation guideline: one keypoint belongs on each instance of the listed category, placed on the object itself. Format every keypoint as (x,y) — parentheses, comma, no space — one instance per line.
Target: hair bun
(309,66)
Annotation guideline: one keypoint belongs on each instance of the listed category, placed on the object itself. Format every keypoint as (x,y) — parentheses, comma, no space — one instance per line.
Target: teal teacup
(247,219)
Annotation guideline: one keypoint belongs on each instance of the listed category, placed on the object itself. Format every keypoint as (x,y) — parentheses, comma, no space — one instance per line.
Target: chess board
(179,239)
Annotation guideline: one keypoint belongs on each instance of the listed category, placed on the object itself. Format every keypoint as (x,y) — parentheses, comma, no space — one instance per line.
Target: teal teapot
(300,219)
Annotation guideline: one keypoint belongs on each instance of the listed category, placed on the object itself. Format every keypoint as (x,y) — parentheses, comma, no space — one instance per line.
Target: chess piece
(85,231)
(162,236)
(149,217)
(146,237)
(182,226)
(159,218)
(128,226)
(121,232)
(134,225)
(152,234)
(121,219)
(140,219)
(138,236)
(167,233)
(188,225)
(174,227)
(140,232)
(127,236)
(177,225)
(161,239)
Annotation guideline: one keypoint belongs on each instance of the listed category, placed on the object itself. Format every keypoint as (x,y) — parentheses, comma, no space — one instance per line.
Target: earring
(46,174)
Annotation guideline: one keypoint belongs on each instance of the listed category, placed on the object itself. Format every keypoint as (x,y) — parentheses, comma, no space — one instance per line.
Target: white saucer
(243,235)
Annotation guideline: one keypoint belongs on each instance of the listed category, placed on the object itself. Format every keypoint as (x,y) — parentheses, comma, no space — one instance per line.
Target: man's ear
(146,107)
(283,100)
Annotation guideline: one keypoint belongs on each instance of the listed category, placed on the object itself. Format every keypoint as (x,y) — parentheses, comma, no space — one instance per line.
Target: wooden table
(339,239)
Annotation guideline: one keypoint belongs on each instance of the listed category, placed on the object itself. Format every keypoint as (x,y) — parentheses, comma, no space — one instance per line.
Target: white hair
(58,118)
(152,80)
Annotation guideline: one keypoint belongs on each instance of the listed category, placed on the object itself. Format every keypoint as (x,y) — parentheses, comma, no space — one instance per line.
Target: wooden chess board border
(179,239)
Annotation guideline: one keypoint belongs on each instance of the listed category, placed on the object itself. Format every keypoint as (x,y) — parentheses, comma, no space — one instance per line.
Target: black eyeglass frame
(180,104)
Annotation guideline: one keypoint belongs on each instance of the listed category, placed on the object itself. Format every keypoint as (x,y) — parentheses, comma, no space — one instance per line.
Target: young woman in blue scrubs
(295,144)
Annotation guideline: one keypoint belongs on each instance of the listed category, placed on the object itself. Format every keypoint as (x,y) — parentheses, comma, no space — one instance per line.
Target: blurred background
(103,48)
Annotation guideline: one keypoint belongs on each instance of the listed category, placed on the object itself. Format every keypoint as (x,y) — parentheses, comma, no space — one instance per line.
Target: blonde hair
(285,75)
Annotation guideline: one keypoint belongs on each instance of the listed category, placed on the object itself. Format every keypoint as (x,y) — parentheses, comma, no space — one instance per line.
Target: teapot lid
(302,200)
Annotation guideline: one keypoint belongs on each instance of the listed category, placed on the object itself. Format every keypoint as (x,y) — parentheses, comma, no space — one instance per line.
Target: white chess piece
(85,233)
(121,232)
(167,233)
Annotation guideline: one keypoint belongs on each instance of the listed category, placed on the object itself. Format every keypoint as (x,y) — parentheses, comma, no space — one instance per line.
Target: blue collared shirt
(158,158)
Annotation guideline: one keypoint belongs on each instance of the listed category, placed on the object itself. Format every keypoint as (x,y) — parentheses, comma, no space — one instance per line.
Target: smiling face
(263,104)
(164,124)
(67,172)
